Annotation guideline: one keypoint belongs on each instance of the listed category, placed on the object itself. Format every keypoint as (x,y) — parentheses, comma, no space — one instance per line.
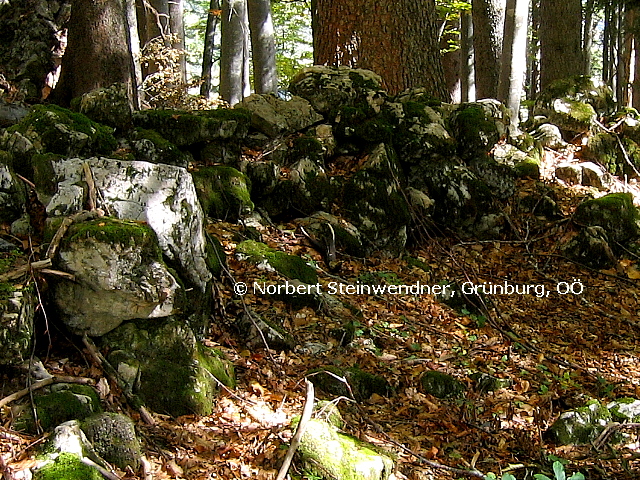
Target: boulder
(11,113)
(56,404)
(580,426)
(149,146)
(109,105)
(53,129)
(291,266)
(162,196)
(607,150)
(223,192)
(347,237)
(329,88)
(549,135)
(478,126)
(328,453)
(163,363)
(615,213)
(118,274)
(591,247)
(570,173)
(274,116)
(350,383)
(113,437)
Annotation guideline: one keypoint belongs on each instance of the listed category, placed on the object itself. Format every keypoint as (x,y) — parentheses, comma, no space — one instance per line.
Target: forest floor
(557,351)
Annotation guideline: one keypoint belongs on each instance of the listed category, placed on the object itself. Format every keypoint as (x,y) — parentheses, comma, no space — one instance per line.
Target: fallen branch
(295,441)
(43,383)
(111,372)
(66,224)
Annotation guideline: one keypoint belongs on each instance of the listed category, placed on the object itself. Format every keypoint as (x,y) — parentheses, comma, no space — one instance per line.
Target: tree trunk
(263,46)
(560,40)
(488,23)
(134,47)
(514,57)
(467,75)
(451,64)
(233,51)
(636,72)
(627,19)
(587,36)
(213,18)
(396,39)
(534,52)
(176,25)
(97,54)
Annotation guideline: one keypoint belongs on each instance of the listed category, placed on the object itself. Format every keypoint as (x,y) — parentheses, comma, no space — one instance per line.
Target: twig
(111,372)
(295,441)
(43,383)
(66,223)
(88,177)
(18,272)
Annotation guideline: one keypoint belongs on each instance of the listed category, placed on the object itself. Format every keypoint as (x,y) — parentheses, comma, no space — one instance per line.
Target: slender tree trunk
(534,51)
(560,40)
(395,38)
(233,51)
(467,76)
(627,19)
(98,52)
(134,47)
(587,36)
(488,23)
(606,45)
(636,72)
(263,46)
(451,63)
(176,25)
(213,17)
(514,57)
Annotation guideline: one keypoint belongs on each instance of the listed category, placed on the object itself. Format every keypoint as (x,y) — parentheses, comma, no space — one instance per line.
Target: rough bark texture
(560,40)
(263,46)
(97,54)
(176,24)
(396,39)
(488,22)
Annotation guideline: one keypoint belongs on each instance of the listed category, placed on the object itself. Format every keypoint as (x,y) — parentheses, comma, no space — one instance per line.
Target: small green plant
(559,473)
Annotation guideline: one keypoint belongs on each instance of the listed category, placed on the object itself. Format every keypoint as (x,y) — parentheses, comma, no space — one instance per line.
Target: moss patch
(223,192)
(67,466)
(614,212)
(291,266)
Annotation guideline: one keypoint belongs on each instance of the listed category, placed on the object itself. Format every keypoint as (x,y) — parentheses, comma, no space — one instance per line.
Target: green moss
(111,230)
(43,119)
(441,385)
(223,192)
(528,168)
(65,402)
(67,466)
(216,257)
(291,266)
(615,212)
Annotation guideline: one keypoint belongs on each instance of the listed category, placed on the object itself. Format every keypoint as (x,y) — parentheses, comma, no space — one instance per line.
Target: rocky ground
(556,347)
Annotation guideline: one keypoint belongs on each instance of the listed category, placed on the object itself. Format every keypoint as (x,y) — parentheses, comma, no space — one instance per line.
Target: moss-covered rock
(477,127)
(615,212)
(441,385)
(167,368)
(347,237)
(150,146)
(67,466)
(64,401)
(113,437)
(580,426)
(13,195)
(328,453)
(350,382)
(109,105)
(591,247)
(53,129)
(606,149)
(184,128)
(223,192)
(291,266)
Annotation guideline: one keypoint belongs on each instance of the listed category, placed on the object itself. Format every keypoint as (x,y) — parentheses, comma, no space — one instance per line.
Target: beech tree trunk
(560,40)
(263,46)
(213,18)
(488,24)
(176,26)
(467,74)
(97,54)
(514,57)
(233,55)
(134,47)
(396,39)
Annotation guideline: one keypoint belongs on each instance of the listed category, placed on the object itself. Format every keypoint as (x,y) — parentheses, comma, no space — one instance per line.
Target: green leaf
(558,470)
(539,476)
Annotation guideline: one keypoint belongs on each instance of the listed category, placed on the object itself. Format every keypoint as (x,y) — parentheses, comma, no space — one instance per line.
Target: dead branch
(111,372)
(43,383)
(295,441)
(66,224)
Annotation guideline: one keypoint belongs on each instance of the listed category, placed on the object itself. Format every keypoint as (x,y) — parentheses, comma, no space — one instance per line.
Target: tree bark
(213,18)
(587,36)
(98,53)
(560,40)
(233,51)
(488,24)
(263,46)
(451,63)
(176,25)
(134,47)
(396,39)
(514,57)
(467,74)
